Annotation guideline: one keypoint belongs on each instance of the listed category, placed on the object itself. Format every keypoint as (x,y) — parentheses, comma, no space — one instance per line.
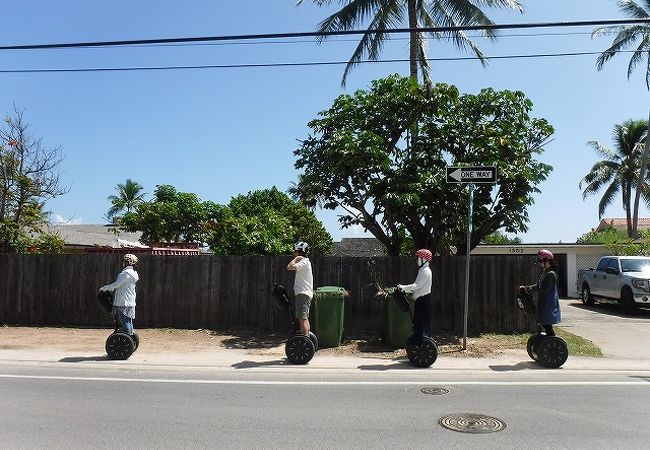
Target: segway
(549,351)
(119,345)
(299,348)
(424,353)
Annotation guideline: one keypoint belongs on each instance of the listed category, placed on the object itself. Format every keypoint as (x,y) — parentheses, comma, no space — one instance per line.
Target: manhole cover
(434,391)
(472,423)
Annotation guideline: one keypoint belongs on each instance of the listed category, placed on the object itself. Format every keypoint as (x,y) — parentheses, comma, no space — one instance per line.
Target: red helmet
(424,254)
(545,254)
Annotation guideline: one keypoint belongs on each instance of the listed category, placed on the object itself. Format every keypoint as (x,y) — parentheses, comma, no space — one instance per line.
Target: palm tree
(619,168)
(627,36)
(129,195)
(386,14)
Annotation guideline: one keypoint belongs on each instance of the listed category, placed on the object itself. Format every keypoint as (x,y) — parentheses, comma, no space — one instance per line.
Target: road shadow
(75,359)
(524,365)
(646,378)
(245,340)
(254,364)
(610,309)
(400,365)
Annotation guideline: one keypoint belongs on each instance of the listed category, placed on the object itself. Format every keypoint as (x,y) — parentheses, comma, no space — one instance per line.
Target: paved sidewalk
(237,359)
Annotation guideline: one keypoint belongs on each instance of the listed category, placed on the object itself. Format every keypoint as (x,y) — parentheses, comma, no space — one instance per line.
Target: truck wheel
(585,295)
(627,302)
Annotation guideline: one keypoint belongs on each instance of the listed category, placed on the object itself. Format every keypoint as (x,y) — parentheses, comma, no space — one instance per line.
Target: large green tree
(29,177)
(618,171)
(129,196)
(382,15)
(171,217)
(266,222)
(627,36)
(357,159)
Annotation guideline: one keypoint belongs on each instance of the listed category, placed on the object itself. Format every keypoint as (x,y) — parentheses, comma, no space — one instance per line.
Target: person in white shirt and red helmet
(421,290)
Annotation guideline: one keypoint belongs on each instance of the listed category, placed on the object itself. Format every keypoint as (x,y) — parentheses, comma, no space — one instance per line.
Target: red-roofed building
(621,223)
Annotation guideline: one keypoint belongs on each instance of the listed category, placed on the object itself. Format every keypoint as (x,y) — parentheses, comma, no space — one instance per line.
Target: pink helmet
(424,254)
(545,254)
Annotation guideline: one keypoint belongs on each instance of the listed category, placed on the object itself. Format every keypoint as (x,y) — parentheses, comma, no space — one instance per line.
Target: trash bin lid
(330,289)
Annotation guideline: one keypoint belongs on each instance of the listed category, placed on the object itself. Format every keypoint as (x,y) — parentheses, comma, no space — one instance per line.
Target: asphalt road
(56,407)
(618,335)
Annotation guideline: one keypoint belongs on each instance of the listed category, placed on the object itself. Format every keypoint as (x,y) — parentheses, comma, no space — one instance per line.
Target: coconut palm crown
(381,15)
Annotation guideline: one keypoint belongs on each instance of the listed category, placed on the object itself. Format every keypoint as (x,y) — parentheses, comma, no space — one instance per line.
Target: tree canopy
(267,222)
(618,171)
(170,217)
(262,222)
(360,158)
(28,178)
(380,17)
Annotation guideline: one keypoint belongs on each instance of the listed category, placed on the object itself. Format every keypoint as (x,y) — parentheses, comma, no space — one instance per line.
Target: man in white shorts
(303,285)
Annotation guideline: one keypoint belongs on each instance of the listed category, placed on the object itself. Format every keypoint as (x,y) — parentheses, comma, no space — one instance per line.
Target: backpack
(106,301)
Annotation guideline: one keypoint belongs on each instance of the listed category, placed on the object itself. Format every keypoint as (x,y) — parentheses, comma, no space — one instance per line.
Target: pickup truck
(621,279)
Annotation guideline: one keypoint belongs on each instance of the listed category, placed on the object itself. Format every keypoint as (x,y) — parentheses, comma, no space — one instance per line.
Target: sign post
(470,175)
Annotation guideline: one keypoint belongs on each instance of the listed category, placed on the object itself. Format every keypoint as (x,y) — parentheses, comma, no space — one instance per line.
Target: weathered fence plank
(234,291)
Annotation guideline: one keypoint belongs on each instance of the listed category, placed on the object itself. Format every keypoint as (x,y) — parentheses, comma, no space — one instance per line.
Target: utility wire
(321,35)
(311,41)
(297,64)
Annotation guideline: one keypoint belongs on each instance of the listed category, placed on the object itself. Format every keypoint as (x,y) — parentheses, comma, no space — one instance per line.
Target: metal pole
(469,239)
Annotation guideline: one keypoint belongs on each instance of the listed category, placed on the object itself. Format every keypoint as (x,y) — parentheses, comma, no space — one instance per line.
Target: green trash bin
(328,315)
(396,326)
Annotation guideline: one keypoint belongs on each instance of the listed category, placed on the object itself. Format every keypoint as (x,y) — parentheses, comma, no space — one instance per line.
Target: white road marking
(331,383)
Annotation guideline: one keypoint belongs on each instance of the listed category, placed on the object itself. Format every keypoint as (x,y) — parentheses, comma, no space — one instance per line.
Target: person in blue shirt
(548,298)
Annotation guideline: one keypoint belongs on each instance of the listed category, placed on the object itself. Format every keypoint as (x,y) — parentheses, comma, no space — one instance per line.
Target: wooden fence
(231,292)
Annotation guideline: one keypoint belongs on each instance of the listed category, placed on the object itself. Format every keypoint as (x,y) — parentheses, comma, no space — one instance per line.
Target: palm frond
(607,198)
(438,15)
(372,42)
(624,39)
(604,151)
(632,9)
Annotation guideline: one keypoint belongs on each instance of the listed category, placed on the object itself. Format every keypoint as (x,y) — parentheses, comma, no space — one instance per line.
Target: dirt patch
(183,341)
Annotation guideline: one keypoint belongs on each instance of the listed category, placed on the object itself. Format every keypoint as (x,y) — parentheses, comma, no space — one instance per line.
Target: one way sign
(476,174)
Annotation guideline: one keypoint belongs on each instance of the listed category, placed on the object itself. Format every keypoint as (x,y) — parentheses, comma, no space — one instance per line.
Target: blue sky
(223,132)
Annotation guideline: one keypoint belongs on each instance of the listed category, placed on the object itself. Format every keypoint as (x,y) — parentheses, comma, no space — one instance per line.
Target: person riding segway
(421,349)
(302,345)
(544,346)
(120,296)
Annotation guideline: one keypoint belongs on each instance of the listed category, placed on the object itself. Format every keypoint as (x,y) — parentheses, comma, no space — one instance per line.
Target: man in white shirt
(421,290)
(303,285)
(124,294)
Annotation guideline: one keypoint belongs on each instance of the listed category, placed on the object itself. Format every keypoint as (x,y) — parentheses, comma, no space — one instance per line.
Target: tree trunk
(640,184)
(626,205)
(414,38)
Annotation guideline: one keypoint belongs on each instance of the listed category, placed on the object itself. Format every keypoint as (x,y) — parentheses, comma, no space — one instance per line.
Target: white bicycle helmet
(130,259)
(301,247)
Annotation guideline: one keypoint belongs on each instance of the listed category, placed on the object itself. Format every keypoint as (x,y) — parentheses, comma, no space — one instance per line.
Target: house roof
(363,247)
(621,222)
(89,235)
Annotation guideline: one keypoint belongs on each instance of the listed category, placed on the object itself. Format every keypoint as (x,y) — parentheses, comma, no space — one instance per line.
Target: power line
(317,34)
(311,41)
(296,64)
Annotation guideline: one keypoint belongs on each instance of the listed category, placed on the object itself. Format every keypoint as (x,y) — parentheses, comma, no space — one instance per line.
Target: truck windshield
(635,265)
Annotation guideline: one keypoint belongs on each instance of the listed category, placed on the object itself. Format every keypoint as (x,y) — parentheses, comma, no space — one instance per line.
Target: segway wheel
(423,354)
(531,345)
(136,341)
(552,351)
(299,349)
(119,346)
(314,340)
